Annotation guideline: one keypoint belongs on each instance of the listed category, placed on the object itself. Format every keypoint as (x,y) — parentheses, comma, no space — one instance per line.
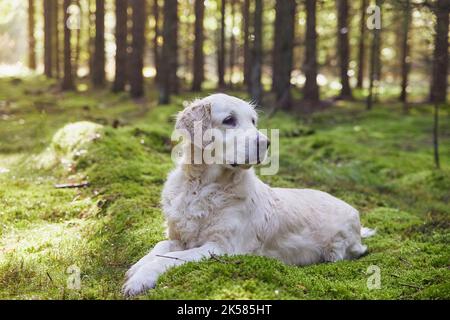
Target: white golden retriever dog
(224,208)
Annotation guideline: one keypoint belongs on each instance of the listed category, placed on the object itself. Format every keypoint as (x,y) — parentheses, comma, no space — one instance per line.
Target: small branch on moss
(71,185)
(48,275)
(410,285)
(169,257)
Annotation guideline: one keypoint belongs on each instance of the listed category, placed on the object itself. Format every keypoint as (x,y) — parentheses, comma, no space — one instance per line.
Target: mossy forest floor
(380,161)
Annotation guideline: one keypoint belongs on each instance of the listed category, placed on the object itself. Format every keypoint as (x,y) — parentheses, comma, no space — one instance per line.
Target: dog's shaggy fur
(226,209)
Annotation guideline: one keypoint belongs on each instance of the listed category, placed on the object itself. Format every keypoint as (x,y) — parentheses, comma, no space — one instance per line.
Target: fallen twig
(48,275)
(410,285)
(71,185)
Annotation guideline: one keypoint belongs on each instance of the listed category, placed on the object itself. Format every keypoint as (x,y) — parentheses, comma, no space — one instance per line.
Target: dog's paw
(134,268)
(138,283)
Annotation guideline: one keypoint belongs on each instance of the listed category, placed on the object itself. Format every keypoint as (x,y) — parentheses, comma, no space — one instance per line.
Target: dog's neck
(209,173)
(212,173)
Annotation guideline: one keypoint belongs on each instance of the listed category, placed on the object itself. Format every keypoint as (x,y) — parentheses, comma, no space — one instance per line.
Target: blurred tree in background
(301,50)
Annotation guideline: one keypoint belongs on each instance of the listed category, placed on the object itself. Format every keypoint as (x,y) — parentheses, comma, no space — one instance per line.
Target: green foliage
(379,161)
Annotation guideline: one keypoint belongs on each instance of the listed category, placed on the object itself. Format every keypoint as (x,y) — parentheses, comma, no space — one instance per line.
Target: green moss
(379,161)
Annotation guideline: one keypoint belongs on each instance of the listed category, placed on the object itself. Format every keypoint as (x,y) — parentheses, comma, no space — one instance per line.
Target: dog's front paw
(138,283)
(134,268)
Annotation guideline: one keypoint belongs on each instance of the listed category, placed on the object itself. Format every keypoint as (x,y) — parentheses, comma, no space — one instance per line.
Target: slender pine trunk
(246,34)
(221,51)
(121,46)
(67,82)
(198,69)
(256,86)
(31,37)
(438,92)
(311,89)
(283,51)
(137,48)
(344,48)
(361,45)
(98,74)
(167,80)
(48,35)
(405,64)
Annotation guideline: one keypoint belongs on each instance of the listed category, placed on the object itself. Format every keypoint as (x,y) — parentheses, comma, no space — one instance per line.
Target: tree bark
(67,83)
(232,53)
(247,53)
(31,37)
(256,87)
(121,46)
(78,43)
(344,48)
(55,39)
(438,92)
(98,74)
(283,51)
(169,65)
(405,64)
(221,51)
(198,70)
(436,136)
(48,36)
(311,90)
(156,48)
(361,46)
(137,47)
(374,73)
(91,38)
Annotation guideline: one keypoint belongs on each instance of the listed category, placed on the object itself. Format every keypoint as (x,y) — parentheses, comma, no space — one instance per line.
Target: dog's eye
(254,121)
(229,121)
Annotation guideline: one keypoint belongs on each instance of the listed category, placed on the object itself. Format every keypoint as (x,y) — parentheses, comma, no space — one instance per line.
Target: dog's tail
(367,232)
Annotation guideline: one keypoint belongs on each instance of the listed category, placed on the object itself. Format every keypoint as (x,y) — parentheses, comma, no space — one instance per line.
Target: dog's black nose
(268,143)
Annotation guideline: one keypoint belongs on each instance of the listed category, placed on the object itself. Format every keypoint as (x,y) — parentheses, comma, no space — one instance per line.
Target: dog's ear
(195,118)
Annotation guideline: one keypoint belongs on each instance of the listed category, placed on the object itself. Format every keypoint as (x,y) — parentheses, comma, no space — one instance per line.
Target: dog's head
(223,129)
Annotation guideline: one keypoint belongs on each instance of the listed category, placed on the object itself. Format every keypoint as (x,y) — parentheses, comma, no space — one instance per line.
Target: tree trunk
(436,135)
(344,48)
(198,70)
(67,83)
(256,87)
(283,51)
(247,53)
(121,45)
(98,74)
(405,64)
(311,90)
(48,35)
(169,65)
(374,74)
(137,46)
(55,29)
(361,46)
(77,44)
(173,42)
(156,48)
(31,38)
(221,51)
(91,38)
(438,92)
(232,53)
